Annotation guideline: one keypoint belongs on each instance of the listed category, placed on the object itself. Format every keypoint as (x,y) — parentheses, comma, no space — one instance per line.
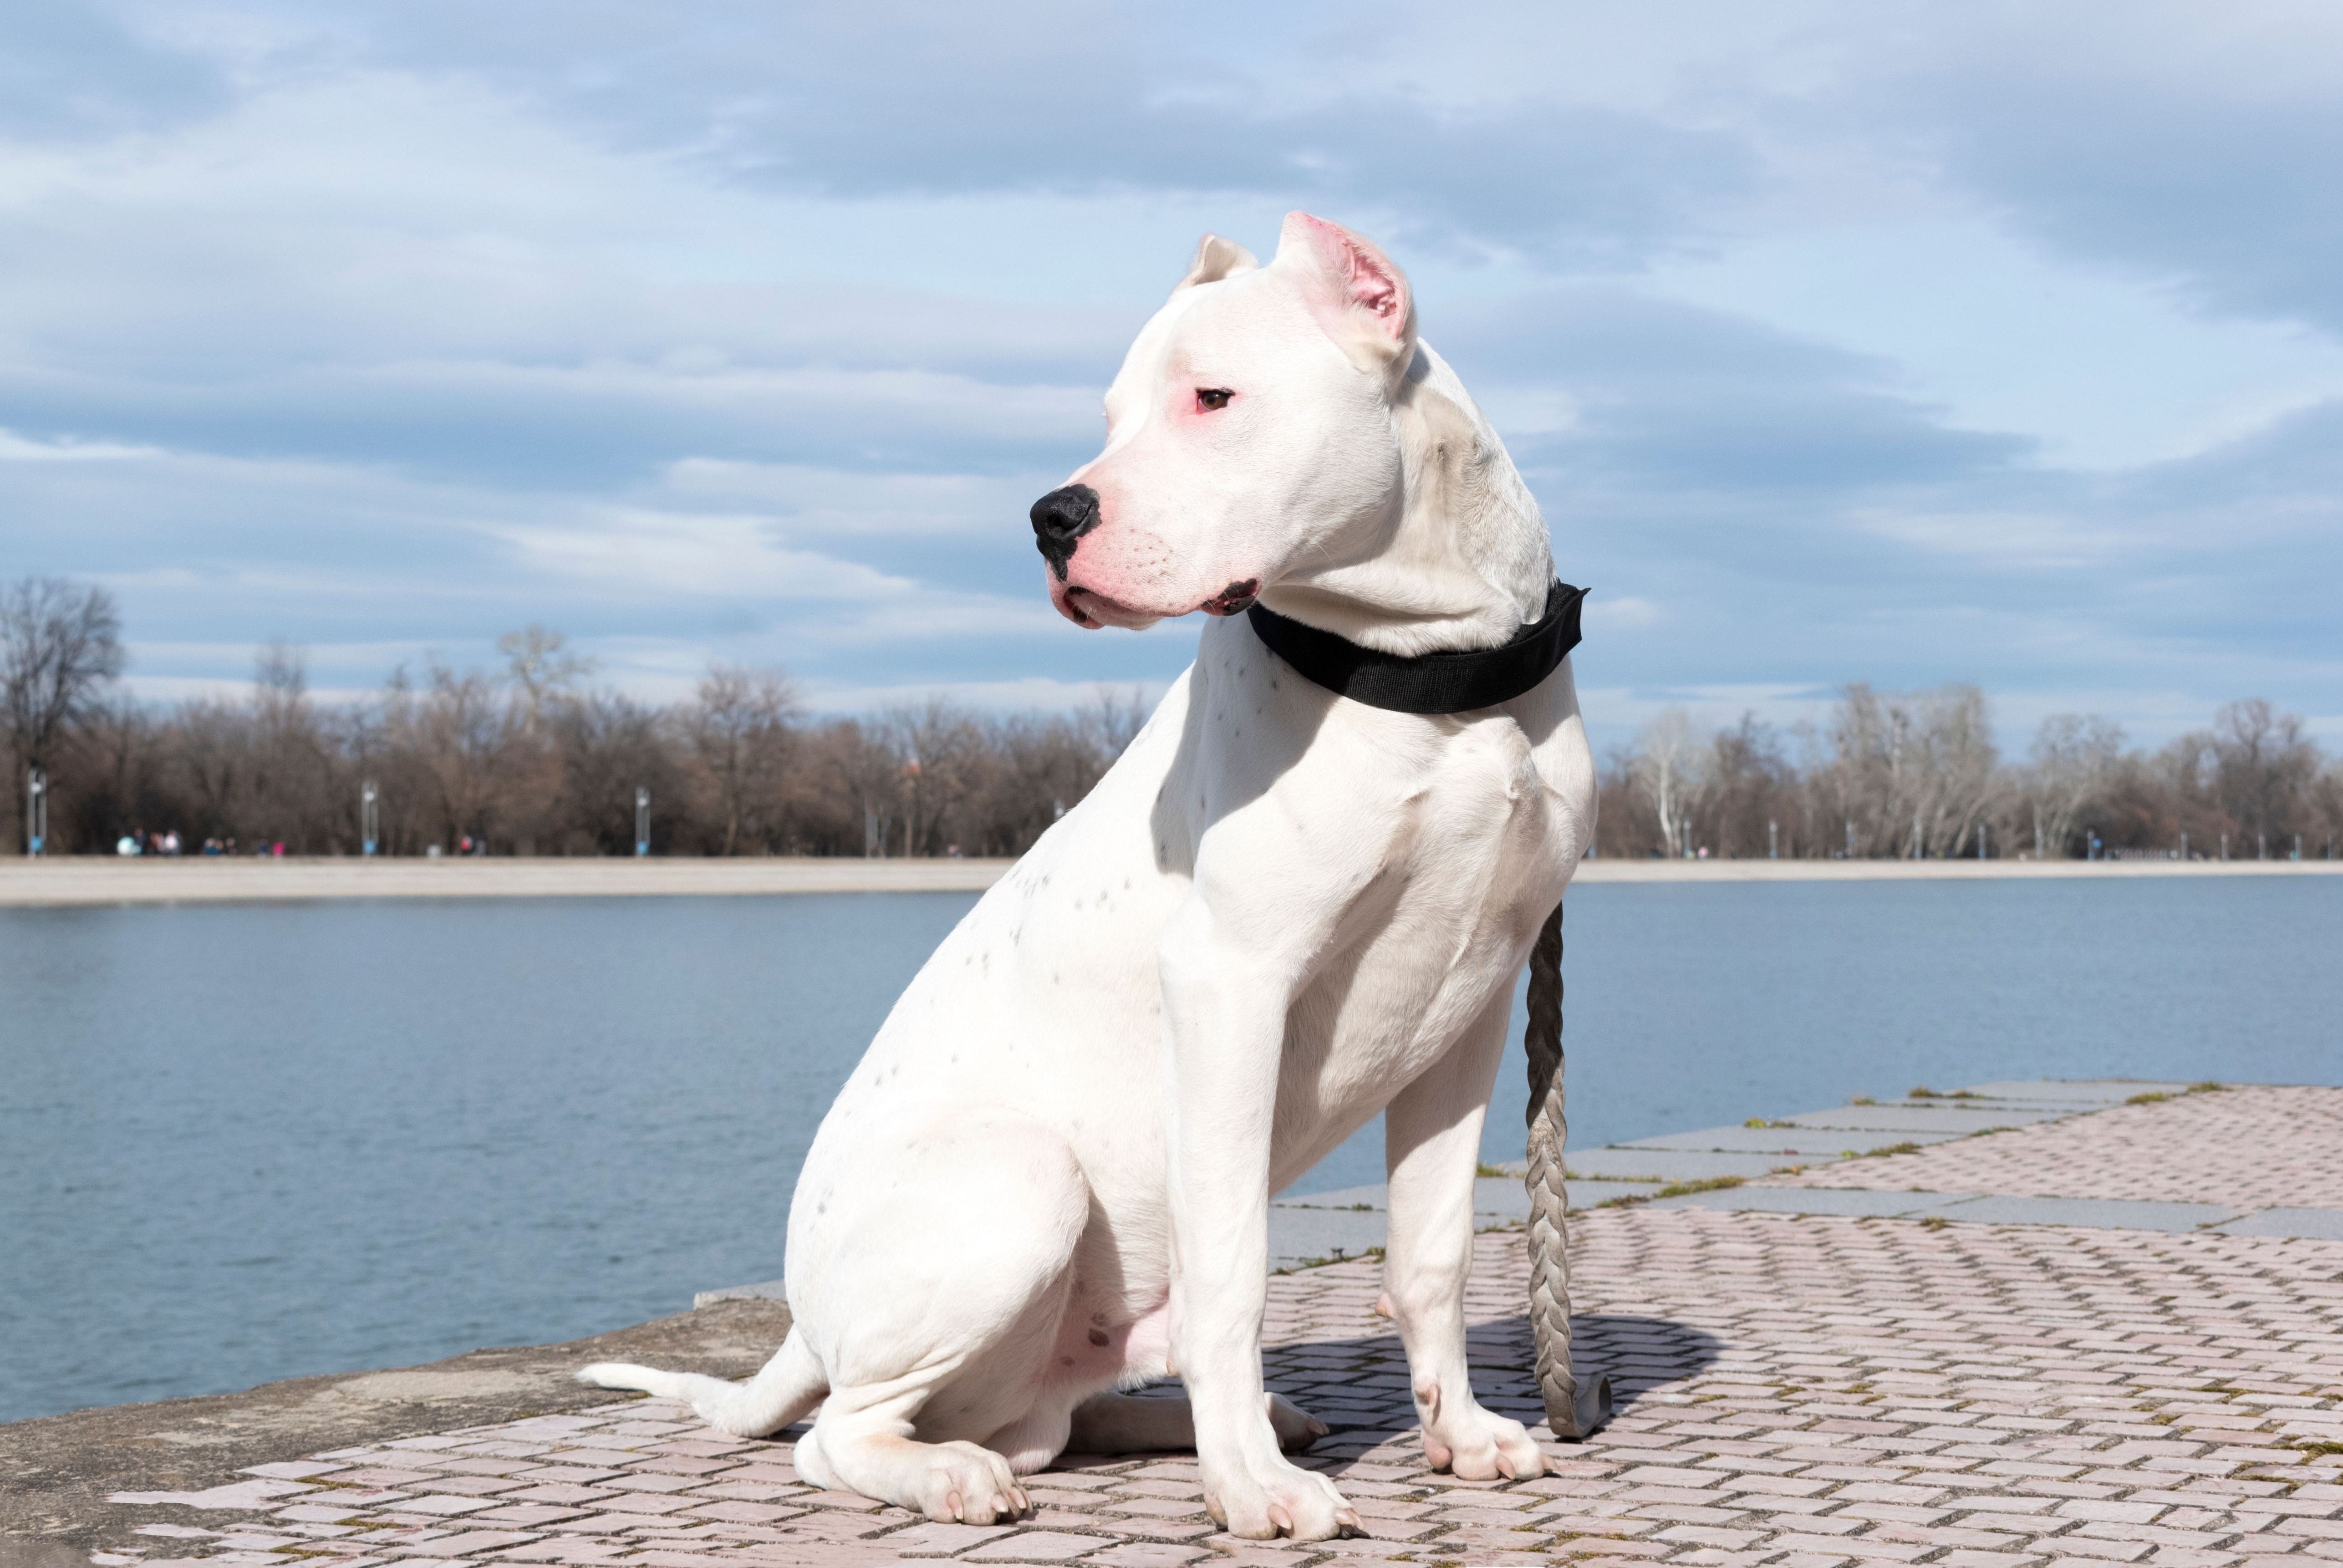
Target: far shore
(193,880)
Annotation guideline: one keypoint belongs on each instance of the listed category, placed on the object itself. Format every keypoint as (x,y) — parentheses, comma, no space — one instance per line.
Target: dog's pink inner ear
(1363,277)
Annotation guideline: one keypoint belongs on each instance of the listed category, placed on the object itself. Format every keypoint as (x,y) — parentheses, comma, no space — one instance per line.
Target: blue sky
(1907,343)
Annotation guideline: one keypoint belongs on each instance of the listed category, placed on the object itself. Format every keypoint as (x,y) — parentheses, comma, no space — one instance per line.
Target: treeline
(532,758)
(1917,775)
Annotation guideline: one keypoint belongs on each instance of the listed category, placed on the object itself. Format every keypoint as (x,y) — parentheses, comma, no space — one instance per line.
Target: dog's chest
(1474,859)
(1437,844)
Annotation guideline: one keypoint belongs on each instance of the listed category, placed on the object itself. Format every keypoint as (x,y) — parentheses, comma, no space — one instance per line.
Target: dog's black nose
(1061,518)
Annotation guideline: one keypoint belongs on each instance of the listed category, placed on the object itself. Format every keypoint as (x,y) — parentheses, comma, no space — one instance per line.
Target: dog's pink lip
(1104,610)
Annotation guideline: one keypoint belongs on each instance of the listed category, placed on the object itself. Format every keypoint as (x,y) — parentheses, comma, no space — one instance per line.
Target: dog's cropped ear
(1215,259)
(1363,299)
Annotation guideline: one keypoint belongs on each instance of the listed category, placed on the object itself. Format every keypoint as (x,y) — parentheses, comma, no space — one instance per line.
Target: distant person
(171,842)
(211,846)
(127,845)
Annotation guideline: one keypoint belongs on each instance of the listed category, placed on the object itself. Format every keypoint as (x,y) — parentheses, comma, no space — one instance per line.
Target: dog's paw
(1266,1499)
(1296,1428)
(966,1484)
(1473,1444)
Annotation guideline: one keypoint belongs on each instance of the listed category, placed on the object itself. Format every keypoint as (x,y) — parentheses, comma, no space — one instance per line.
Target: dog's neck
(1464,562)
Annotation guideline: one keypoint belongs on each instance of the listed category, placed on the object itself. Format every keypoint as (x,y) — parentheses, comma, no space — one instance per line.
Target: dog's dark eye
(1211,398)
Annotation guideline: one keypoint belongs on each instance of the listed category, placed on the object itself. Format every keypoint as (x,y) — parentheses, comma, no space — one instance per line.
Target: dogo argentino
(1280,913)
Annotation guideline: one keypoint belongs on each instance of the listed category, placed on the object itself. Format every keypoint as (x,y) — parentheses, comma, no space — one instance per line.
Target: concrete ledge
(1619,1165)
(1957,1120)
(1324,1227)
(1860,1202)
(2090,1214)
(763,1290)
(1782,1141)
(2310,1224)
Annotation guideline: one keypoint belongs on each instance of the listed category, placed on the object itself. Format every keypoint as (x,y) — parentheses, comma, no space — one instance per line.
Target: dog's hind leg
(789,1386)
(937,1279)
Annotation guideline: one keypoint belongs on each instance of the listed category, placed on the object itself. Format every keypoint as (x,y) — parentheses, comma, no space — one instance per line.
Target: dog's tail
(791,1384)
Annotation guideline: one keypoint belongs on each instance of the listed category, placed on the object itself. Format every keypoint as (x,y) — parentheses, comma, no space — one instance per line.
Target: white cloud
(15,449)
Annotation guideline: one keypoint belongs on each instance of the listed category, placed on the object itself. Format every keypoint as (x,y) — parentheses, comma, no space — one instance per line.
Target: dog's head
(1250,431)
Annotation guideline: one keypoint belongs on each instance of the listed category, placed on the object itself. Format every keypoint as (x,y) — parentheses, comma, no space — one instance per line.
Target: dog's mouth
(1090,610)
(1233,599)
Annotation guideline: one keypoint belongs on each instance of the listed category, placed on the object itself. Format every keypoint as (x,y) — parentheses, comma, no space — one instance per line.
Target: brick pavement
(2248,1147)
(1800,1391)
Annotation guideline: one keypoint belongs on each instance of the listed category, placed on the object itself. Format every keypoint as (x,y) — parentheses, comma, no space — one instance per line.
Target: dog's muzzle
(1061,518)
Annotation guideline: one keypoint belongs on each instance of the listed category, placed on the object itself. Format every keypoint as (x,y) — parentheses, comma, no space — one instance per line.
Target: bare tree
(612,745)
(60,648)
(1746,789)
(1911,774)
(2077,758)
(1668,768)
(739,725)
(2264,770)
(538,660)
(1110,721)
(936,747)
(460,730)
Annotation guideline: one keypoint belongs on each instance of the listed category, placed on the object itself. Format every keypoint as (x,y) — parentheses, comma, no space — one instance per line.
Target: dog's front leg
(1225,1007)
(1432,1138)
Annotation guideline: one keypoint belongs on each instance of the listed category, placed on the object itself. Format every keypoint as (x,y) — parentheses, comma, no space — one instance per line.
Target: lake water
(241,1143)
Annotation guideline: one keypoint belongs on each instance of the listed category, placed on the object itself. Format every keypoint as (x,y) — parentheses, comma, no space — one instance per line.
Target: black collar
(1430,682)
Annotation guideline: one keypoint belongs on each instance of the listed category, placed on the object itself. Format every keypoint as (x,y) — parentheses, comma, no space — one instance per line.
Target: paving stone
(943,1540)
(1037,1546)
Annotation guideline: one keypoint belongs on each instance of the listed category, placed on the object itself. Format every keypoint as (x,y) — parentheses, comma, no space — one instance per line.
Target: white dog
(1281,912)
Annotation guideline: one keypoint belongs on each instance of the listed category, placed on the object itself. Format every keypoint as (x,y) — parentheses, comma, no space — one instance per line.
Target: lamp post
(642,820)
(369,817)
(36,812)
